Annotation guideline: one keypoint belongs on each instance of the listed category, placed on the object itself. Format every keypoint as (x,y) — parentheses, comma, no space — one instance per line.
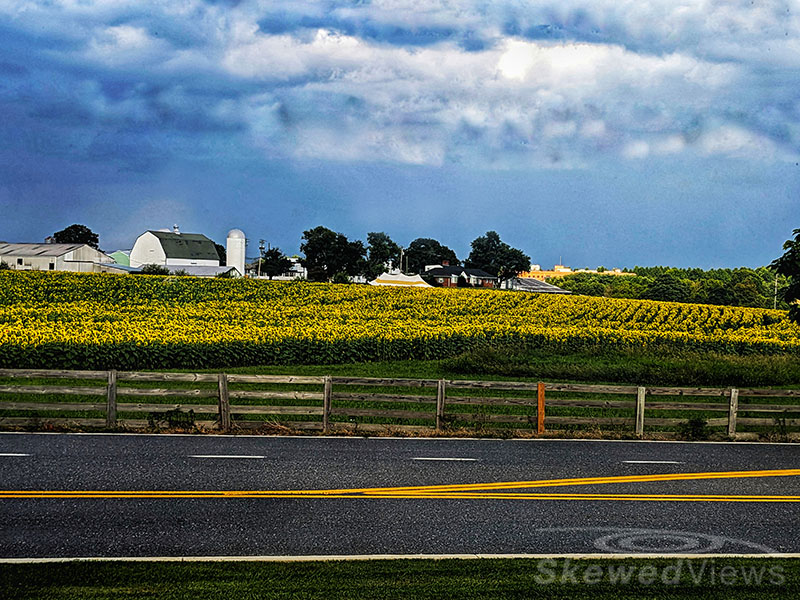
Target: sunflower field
(100,321)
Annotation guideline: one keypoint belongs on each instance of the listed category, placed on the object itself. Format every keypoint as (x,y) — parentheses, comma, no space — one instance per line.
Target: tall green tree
(274,262)
(497,258)
(328,254)
(77,234)
(788,265)
(382,252)
(427,251)
(668,287)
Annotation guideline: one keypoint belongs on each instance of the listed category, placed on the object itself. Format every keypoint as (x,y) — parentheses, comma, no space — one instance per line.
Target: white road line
(653,462)
(12,454)
(360,557)
(444,458)
(225,456)
(362,438)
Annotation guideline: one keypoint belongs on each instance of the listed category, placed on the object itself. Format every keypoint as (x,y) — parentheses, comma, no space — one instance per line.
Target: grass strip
(589,579)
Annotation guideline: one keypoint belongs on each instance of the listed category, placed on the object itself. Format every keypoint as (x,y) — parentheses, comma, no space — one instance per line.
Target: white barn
(174,249)
(79,258)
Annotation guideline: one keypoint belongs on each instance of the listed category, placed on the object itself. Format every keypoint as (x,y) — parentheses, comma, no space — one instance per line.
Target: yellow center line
(453,491)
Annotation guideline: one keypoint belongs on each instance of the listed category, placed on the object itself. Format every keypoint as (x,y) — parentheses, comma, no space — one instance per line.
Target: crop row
(85,320)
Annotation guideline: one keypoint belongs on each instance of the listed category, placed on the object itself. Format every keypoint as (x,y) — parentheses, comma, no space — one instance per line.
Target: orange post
(540,409)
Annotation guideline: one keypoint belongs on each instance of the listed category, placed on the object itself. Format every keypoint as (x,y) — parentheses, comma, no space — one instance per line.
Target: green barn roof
(193,246)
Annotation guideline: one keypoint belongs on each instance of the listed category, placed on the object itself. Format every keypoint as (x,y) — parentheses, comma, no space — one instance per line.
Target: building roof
(205,271)
(398,279)
(193,246)
(122,257)
(536,286)
(37,249)
(447,271)
(111,267)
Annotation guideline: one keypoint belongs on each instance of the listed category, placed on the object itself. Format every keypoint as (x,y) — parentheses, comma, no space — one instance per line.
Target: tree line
(725,287)
(331,256)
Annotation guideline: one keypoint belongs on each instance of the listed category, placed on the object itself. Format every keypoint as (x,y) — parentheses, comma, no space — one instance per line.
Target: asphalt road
(169,502)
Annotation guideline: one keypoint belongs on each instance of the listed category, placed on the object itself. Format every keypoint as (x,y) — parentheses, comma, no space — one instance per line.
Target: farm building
(399,279)
(220,271)
(80,258)
(534,285)
(447,276)
(174,249)
(122,257)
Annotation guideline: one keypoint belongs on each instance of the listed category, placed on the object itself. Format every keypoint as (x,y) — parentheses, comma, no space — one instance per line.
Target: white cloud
(637,79)
(556,129)
(637,149)
(669,145)
(731,140)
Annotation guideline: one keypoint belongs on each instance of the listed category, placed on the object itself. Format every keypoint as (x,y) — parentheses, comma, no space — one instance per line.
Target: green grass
(417,579)
(635,368)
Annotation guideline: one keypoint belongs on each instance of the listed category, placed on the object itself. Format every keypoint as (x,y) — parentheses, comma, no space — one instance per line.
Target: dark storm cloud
(94,92)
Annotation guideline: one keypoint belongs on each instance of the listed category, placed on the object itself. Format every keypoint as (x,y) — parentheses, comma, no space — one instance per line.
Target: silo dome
(236,234)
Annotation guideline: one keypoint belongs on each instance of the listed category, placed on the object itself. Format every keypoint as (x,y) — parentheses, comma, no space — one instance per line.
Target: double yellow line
(469,491)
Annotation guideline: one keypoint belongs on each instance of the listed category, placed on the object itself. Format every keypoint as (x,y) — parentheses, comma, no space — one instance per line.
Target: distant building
(174,249)
(200,271)
(536,272)
(398,279)
(122,257)
(296,270)
(447,276)
(79,258)
(534,285)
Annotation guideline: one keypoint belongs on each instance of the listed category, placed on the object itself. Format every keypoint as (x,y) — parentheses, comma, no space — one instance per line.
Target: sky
(588,132)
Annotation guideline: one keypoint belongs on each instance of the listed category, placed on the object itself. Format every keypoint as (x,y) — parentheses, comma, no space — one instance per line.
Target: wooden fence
(231,402)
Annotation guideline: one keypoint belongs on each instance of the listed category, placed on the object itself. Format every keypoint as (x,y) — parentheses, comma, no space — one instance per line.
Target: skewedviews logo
(705,572)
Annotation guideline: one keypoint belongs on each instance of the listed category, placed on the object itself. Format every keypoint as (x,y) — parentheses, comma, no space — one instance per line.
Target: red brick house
(446,276)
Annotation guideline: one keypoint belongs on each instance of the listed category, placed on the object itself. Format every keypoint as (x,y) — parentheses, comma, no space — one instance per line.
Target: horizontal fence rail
(230,402)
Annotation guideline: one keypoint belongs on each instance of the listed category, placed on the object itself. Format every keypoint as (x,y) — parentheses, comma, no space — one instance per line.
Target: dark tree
(77,234)
(4,266)
(328,253)
(223,255)
(496,257)
(153,269)
(382,253)
(748,289)
(274,262)
(426,251)
(788,265)
(668,287)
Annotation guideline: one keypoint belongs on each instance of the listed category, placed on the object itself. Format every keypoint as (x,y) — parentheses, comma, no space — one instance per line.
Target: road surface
(79,495)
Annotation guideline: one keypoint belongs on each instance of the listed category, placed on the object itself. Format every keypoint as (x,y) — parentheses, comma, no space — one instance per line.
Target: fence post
(224,404)
(641,393)
(326,403)
(733,408)
(111,399)
(540,408)
(440,398)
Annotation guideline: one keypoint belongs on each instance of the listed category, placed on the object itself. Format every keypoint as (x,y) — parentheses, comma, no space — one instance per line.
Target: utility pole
(775,297)
(260,255)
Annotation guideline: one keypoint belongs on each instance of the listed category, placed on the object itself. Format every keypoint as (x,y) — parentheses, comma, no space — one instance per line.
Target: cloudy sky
(603,132)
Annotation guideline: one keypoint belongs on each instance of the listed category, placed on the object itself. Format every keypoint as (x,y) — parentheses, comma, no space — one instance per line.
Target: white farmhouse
(174,249)
(80,258)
